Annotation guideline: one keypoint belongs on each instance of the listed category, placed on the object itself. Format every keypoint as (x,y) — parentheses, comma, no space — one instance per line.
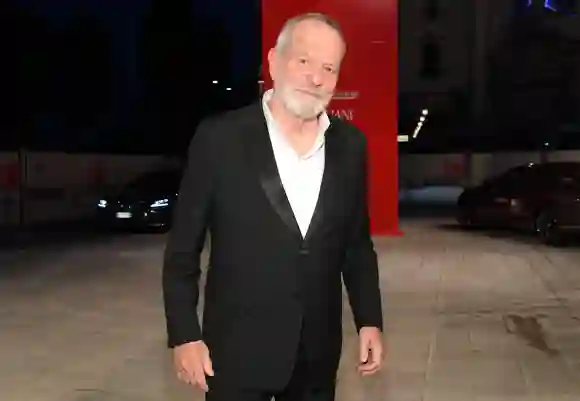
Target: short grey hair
(285,36)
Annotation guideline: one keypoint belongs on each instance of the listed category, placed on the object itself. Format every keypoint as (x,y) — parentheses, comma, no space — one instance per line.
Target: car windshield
(562,175)
(571,179)
(157,181)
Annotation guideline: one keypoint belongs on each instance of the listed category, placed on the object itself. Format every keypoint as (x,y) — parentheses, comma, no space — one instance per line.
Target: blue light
(557,6)
(548,5)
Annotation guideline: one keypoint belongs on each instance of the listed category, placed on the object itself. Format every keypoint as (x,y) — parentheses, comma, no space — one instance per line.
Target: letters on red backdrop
(367,90)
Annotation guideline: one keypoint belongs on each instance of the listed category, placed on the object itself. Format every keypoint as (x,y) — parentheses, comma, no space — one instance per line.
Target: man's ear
(271,55)
(272,61)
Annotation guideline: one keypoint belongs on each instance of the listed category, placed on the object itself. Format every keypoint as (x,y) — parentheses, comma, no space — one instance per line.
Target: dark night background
(130,77)
(531,89)
(137,76)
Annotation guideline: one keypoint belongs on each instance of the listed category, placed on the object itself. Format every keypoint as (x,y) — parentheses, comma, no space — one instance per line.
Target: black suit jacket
(267,285)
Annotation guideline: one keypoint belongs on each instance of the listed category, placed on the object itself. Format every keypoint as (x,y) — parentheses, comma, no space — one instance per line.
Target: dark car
(543,198)
(146,202)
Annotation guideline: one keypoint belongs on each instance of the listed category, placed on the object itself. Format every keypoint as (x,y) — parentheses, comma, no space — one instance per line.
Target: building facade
(533,65)
(435,60)
(474,60)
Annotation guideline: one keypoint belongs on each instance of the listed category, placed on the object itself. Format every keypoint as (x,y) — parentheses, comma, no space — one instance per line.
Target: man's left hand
(371,351)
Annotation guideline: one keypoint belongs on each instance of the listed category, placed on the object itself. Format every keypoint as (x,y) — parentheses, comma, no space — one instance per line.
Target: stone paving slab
(469,316)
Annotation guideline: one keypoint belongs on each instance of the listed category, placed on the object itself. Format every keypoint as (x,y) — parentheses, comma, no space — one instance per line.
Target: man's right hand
(192,364)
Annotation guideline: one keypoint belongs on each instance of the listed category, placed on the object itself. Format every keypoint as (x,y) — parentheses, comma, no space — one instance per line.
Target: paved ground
(470,316)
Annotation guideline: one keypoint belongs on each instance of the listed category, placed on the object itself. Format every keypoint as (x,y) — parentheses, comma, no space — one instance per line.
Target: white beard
(300,105)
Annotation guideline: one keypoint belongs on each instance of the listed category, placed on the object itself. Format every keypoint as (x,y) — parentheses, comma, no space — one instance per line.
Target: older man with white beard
(281,186)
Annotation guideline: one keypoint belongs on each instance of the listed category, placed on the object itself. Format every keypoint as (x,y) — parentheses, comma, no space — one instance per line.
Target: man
(281,186)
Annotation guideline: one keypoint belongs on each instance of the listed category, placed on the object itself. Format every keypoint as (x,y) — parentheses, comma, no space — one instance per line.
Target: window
(430,60)
(563,176)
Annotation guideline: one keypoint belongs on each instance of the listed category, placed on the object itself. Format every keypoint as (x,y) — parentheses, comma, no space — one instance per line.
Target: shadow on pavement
(414,210)
(410,211)
(497,233)
(521,235)
(55,234)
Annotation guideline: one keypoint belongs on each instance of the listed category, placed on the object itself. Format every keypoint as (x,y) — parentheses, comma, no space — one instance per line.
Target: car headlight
(102,203)
(160,203)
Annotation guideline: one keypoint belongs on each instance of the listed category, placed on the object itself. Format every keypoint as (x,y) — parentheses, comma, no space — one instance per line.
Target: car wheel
(546,227)
(164,229)
(465,218)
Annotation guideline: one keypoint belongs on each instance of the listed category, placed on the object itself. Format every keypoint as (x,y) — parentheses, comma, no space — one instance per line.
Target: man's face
(305,73)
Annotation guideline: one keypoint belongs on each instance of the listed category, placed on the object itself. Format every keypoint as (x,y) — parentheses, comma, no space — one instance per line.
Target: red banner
(367,90)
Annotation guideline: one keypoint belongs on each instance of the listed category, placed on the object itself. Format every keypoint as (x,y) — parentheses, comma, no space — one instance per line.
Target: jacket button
(304,252)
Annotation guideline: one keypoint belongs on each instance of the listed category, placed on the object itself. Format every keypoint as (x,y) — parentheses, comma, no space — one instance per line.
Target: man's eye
(303,61)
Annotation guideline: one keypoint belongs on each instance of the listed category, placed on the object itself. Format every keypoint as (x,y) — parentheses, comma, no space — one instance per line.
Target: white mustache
(317,95)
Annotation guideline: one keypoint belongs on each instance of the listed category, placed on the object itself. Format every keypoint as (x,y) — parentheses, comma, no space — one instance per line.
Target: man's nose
(316,78)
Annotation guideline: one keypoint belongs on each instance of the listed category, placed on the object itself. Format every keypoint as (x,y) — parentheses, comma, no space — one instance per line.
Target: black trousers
(299,388)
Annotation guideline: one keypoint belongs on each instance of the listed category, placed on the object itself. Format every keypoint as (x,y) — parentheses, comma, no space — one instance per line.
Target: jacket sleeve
(360,272)
(181,262)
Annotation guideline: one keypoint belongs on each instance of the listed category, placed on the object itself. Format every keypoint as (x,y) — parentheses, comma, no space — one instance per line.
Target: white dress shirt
(301,175)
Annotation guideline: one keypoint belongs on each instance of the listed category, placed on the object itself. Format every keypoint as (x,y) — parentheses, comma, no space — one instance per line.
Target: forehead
(317,38)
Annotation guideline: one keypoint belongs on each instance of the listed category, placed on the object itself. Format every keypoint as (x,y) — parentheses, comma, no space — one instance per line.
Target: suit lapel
(328,185)
(261,156)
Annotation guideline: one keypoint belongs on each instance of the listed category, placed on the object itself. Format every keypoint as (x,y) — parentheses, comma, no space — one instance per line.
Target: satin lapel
(261,156)
(325,197)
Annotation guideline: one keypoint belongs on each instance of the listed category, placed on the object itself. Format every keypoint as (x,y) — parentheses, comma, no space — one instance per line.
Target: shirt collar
(323,123)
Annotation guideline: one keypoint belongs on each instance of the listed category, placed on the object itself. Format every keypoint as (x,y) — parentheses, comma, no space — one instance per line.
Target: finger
(369,368)
(369,365)
(180,376)
(377,357)
(370,372)
(208,366)
(374,360)
(377,353)
(184,376)
(187,376)
(363,351)
(200,379)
